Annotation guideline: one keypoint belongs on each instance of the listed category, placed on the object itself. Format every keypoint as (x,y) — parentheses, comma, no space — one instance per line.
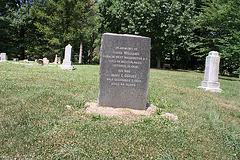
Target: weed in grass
(147,120)
(165,105)
(96,117)
(159,111)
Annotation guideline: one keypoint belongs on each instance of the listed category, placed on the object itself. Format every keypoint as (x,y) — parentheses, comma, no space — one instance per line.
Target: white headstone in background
(3,57)
(55,61)
(67,64)
(210,81)
(15,59)
(45,61)
(59,60)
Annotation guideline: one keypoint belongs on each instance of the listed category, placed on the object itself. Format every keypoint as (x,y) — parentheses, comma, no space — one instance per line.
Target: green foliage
(42,28)
(168,23)
(182,32)
(65,22)
(219,29)
(17,26)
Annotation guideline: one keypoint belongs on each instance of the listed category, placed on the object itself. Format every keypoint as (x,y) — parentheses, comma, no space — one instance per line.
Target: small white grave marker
(55,61)
(3,57)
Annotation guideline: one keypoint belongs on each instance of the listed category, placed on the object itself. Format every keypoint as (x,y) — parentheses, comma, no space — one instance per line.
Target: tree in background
(167,22)
(17,27)
(62,22)
(218,28)
(182,31)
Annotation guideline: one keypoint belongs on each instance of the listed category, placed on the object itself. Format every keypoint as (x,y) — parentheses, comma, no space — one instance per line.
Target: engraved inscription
(127,60)
(124,71)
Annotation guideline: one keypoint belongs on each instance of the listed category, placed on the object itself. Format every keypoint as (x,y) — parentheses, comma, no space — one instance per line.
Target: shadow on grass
(229,78)
(78,64)
(180,70)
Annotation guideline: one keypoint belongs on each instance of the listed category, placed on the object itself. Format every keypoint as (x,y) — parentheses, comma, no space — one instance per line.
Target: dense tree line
(182,31)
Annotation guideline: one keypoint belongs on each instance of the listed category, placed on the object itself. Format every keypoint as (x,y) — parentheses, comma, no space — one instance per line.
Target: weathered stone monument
(16,59)
(55,61)
(45,61)
(40,62)
(67,64)
(124,71)
(59,60)
(210,81)
(3,57)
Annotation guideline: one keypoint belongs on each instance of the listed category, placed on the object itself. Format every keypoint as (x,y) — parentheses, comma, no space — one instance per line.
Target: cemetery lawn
(35,122)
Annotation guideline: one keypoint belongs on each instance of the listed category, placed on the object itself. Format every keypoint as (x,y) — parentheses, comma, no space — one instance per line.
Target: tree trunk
(80,53)
(158,62)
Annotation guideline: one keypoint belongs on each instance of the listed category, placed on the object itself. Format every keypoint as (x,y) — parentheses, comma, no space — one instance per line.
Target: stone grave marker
(3,57)
(45,61)
(40,62)
(59,60)
(55,61)
(124,71)
(16,59)
(67,64)
(210,81)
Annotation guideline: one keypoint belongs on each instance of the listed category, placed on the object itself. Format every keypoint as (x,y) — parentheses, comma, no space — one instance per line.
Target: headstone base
(210,86)
(69,67)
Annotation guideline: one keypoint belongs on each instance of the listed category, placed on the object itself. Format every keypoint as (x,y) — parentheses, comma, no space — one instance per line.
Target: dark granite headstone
(124,71)
(40,62)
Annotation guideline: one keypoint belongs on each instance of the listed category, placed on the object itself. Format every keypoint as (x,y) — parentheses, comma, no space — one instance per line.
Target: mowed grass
(36,124)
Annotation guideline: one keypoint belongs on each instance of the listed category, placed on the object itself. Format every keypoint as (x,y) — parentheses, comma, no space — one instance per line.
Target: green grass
(35,122)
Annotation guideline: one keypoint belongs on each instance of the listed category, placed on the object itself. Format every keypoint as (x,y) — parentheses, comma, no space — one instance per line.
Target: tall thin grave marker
(67,63)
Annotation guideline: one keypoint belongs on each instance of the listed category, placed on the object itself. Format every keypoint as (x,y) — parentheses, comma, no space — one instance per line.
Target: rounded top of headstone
(124,35)
(213,53)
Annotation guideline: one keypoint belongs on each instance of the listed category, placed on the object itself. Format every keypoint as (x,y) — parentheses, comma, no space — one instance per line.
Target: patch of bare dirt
(93,108)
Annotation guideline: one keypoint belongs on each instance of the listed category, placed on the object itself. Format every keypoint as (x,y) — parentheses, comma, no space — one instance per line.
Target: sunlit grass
(35,122)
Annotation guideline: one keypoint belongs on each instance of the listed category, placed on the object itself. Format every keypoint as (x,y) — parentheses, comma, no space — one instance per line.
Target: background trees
(16,26)
(42,28)
(62,22)
(219,29)
(168,23)
(182,31)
